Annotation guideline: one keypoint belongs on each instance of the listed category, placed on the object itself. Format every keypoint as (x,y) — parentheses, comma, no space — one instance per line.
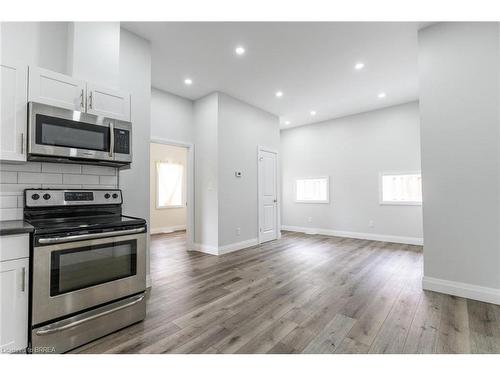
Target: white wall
(459,107)
(353,151)
(171,117)
(94,52)
(164,220)
(206,173)
(242,128)
(42,44)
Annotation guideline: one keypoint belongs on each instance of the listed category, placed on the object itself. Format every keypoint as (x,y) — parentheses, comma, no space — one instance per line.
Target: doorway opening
(171,188)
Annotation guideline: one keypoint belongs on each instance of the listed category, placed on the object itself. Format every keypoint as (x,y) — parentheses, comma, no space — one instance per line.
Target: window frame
(396,203)
(183,193)
(327,201)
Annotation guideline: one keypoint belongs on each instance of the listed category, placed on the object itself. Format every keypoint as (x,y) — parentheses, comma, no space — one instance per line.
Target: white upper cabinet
(56,89)
(13,111)
(108,103)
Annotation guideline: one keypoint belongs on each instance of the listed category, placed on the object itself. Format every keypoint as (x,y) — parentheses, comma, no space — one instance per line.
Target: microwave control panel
(122,141)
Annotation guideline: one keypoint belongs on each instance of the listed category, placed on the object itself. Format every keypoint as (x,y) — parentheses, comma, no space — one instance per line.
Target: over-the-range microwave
(62,135)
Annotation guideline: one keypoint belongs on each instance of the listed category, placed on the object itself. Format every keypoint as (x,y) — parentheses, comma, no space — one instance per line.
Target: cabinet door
(108,103)
(56,89)
(14,305)
(13,111)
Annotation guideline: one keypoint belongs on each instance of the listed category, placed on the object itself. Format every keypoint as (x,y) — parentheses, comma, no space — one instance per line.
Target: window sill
(400,203)
(167,207)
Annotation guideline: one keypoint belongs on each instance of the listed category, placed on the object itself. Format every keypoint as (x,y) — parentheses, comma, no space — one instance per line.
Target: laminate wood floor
(300,294)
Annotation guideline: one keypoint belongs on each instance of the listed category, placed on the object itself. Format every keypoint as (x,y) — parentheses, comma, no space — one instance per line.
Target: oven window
(83,267)
(52,131)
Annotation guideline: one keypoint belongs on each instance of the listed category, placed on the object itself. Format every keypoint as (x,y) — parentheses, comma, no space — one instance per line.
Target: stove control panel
(71,197)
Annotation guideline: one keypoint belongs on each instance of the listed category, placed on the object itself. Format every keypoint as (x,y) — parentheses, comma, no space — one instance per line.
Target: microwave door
(63,133)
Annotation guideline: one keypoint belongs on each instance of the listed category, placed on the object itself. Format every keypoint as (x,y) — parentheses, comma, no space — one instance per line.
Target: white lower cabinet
(14,275)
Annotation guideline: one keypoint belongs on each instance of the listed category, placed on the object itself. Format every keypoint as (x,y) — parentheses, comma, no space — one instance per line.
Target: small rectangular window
(312,190)
(169,185)
(403,188)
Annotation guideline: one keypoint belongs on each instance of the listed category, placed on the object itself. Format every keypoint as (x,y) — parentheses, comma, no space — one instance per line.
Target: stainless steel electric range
(88,267)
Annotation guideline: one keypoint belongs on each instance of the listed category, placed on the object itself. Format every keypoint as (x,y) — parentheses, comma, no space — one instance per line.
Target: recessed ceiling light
(279,94)
(287,122)
(381,95)
(188,81)
(240,50)
(359,66)
(313,113)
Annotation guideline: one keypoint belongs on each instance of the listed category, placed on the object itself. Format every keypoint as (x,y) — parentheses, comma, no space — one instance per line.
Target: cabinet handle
(22,143)
(90,100)
(23,281)
(81,100)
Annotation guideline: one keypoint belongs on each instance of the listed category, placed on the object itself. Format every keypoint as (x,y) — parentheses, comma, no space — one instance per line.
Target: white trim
(238,246)
(326,201)
(208,249)
(171,229)
(455,288)
(395,203)
(190,185)
(357,235)
(278,192)
(221,250)
(149,281)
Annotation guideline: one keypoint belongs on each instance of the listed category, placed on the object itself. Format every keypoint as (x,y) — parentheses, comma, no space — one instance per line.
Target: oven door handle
(56,327)
(89,236)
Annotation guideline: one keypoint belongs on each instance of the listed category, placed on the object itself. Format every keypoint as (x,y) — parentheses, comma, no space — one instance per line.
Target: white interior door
(268,196)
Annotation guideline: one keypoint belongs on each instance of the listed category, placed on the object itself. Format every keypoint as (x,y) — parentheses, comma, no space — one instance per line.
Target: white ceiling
(312,63)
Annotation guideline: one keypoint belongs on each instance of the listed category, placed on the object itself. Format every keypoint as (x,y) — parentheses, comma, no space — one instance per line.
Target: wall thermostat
(237,174)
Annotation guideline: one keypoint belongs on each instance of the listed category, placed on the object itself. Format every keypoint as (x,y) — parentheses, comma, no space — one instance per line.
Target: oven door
(73,276)
(57,132)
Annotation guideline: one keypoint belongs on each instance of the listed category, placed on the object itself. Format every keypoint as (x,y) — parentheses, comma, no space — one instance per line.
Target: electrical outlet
(371,224)
(309,219)
(238,231)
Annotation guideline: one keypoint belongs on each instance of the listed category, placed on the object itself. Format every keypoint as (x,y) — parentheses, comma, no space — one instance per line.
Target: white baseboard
(208,249)
(362,236)
(238,246)
(471,291)
(167,229)
(214,250)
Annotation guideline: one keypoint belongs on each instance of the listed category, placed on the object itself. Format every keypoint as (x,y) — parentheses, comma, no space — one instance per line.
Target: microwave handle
(111,139)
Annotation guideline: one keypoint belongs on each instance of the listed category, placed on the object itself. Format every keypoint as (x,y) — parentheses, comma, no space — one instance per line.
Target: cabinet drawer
(14,247)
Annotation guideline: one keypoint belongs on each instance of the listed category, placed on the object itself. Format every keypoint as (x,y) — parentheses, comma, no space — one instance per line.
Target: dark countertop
(9,227)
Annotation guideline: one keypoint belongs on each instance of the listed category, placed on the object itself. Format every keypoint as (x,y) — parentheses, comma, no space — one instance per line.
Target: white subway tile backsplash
(25,167)
(61,168)
(108,180)
(39,178)
(14,178)
(61,186)
(99,170)
(17,188)
(99,187)
(7,177)
(11,213)
(8,201)
(80,179)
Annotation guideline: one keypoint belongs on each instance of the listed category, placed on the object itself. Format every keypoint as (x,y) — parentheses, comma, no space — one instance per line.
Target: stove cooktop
(83,224)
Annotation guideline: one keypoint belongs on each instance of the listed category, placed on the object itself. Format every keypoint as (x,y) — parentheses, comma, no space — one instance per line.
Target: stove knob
(107,195)
(46,196)
(35,197)
(115,195)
